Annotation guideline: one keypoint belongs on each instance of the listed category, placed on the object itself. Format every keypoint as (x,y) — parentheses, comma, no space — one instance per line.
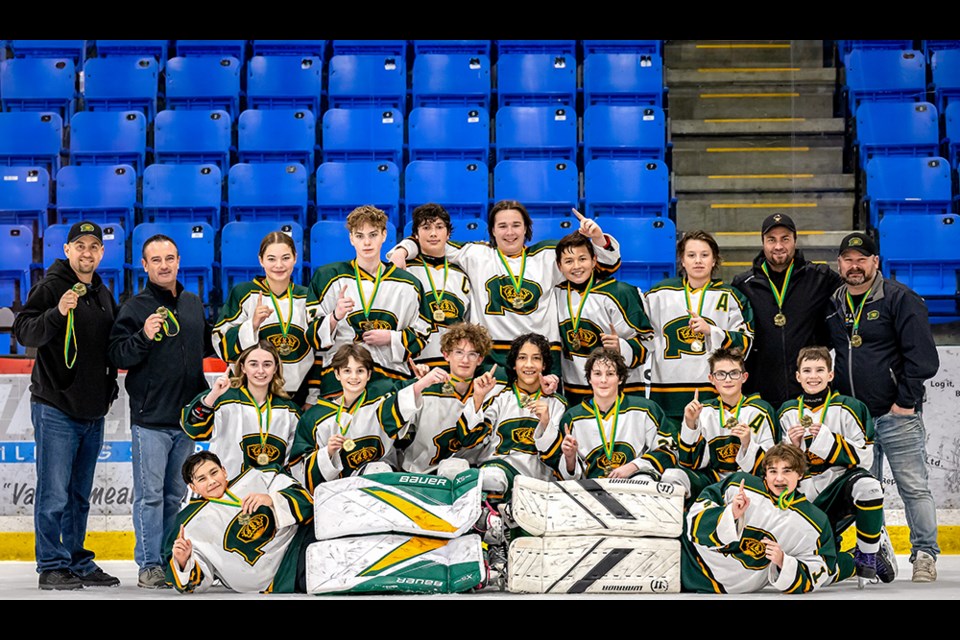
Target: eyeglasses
(723,375)
(460,354)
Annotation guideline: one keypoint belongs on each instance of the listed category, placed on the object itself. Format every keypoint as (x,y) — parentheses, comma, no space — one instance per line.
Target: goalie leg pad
(452,467)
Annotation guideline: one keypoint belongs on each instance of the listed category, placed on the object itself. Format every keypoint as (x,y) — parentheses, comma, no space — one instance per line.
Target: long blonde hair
(238,378)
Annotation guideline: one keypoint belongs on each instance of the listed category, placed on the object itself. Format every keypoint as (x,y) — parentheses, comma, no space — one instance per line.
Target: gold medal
(349,445)
(243,519)
(856,340)
(780,319)
(806,421)
(730,423)
(524,399)
(697,346)
(262,458)
(80,289)
(439,316)
(284,349)
(163,312)
(447,388)
(575,343)
(516,303)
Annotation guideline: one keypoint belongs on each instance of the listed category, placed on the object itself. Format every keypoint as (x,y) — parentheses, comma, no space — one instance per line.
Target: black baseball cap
(859,242)
(85,228)
(778,220)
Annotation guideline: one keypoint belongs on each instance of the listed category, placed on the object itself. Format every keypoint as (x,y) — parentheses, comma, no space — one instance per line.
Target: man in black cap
(885,352)
(789,297)
(67,319)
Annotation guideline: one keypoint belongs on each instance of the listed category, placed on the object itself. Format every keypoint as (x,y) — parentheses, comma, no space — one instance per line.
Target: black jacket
(772,362)
(162,376)
(898,353)
(86,391)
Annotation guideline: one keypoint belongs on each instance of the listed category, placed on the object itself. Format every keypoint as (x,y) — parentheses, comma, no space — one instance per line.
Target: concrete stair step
(752,102)
(766,74)
(690,54)
(746,212)
(745,158)
(771,182)
(739,249)
(757,126)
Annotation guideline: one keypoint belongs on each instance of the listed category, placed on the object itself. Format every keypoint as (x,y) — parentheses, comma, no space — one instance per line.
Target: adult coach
(789,296)
(885,351)
(160,337)
(67,319)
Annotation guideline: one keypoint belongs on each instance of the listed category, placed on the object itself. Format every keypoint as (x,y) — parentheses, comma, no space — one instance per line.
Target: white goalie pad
(411,503)
(593,564)
(391,563)
(613,507)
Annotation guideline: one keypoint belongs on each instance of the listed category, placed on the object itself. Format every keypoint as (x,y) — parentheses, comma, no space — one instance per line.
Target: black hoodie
(86,391)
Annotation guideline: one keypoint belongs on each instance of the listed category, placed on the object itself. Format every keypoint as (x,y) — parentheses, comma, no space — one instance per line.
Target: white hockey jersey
(449,294)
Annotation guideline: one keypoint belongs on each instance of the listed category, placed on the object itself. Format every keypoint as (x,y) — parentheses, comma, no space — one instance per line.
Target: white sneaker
(924,567)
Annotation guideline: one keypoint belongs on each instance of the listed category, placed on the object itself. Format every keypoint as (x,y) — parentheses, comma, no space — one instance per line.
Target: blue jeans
(66,450)
(902,439)
(158,488)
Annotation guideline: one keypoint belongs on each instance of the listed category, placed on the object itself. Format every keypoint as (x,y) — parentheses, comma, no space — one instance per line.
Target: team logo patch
(608,465)
(373,325)
(254,450)
(523,435)
(873,315)
(728,453)
(854,242)
(447,307)
(753,548)
(254,530)
(86,227)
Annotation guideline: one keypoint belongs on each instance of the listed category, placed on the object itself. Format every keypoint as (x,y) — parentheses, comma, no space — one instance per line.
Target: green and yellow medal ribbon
(446,271)
(356,405)
(376,287)
(736,409)
(823,413)
(785,500)
(575,318)
(264,431)
(70,338)
(234,501)
(859,310)
(608,443)
(170,323)
(533,397)
(703,296)
(781,294)
(284,326)
(517,282)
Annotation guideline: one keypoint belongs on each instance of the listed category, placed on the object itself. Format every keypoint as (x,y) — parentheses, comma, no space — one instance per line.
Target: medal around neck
(697,346)
(349,445)
(780,320)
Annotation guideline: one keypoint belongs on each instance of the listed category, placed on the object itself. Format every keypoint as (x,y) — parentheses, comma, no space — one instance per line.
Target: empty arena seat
(106,194)
(277,135)
(25,197)
(29,139)
(449,133)
(113,267)
(897,185)
(623,46)
(623,78)
(545,187)
(330,242)
(846,46)
(461,186)
(155,48)
(951,133)
(15,263)
(367,80)
(39,84)
(76,50)
(343,186)
(479,47)
(560,47)
(267,191)
(648,247)
(122,83)
(363,133)
(626,188)
(284,82)
(369,47)
(233,48)
(182,193)
(196,246)
(203,82)
(536,79)
(896,128)
(536,132)
(109,137)
(883,74)
(313,48)
(553,227)
(197,137)
(464,229)
(240,249)
(945,77)
(636,132)
(450,79)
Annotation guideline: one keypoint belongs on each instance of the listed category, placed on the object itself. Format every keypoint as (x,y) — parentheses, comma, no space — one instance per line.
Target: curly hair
(535,339)
(427,213)
(475,334)
(366,214)
(602,354)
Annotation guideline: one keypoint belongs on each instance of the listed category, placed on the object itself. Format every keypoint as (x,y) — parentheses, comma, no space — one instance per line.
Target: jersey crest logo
(873,315)
(373,325)
(523,435)
(448,308)
(680,338)
(253,530)
(284,343)
(753,548)
(368,449)
(513,297)
(608,465)
(813,459)
(254,449)
(728,452)
(584,336)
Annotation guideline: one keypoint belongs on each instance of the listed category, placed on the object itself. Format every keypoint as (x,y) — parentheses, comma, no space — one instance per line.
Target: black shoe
(60,580)
(99,578)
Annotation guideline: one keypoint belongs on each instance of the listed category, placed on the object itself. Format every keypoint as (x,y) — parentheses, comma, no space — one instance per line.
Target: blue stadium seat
(544,187)
(330,242)
(15,261)
(113,267)
(846,46)
(175,193)
(233,48)
(478,47)
(449,133)
(155,48)
(109,137)
(648,247)
(461,186)
(25,197)
(951,133)
(284,82)
(553,227)
(367,80)
(39,84)
(623,78)
(536,133)
(945,77)
(898,185)
(343,186)
(195,243)
(626,188)
(267,191)
(883,75)
(240,250)
(559,47)
(450,79)
(122,83)
(923,252)
(203,82)
(623,46)
(277,135)
(106,194)
(76,50)
(896,128)
(197,137)
(313,48)
(369,47)
(536,79)
(929,47)
(31,139)
(464,229)
(363,134)
(624,132)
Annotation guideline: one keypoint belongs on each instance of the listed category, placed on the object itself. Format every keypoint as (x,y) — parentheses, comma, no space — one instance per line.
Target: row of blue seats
(271,190)
(898,75)
(928,47)
(906,128)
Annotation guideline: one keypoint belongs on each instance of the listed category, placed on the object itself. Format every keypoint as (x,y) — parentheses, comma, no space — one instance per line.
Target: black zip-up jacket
(162,376)
(898,353)
(772,362)
(86,391)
